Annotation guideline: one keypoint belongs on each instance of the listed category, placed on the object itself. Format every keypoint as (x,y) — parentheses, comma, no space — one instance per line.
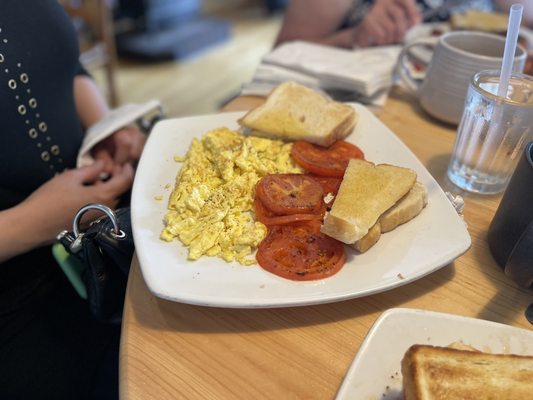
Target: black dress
(50,346)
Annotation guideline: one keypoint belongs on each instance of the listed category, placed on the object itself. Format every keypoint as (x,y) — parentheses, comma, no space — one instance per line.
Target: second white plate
(376,370)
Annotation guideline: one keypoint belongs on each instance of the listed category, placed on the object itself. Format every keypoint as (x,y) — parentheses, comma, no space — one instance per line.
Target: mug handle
(519,266)
(403,68)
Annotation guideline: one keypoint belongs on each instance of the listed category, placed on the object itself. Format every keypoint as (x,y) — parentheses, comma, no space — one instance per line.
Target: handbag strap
(73,241)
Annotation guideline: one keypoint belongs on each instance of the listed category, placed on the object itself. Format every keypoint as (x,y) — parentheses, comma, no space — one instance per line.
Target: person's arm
(38,219)
(90,103)
(50,209)
(31,224)
(527,15)
(318,21)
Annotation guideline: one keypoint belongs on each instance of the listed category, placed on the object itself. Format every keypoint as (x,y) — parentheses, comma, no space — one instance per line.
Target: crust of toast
(369,240)
(367,191)
(431,373)
(294,112)
(408,207)
(405,209)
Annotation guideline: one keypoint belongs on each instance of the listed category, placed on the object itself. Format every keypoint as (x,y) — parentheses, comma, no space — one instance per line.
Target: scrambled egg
(210,208)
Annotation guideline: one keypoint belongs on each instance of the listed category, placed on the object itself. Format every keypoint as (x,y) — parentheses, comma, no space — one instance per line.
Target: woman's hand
(56,202)
(59,199)
(51,208)
(123,146)
(386,23)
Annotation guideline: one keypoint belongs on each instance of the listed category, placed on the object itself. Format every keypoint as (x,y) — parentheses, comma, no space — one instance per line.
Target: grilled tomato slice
(325,161)
(300,252)
(267,217)
(286,194)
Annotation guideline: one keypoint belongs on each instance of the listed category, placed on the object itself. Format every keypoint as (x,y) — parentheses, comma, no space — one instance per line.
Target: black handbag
(104,252)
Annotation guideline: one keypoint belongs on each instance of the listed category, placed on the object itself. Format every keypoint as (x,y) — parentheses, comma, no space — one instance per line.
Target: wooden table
(173,351)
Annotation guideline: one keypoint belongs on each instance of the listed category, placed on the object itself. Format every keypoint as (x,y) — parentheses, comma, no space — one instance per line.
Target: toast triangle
(442,373)
(295,112)
(366,192)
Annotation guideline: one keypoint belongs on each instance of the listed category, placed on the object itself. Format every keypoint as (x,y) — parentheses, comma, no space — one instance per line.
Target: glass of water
(492,133)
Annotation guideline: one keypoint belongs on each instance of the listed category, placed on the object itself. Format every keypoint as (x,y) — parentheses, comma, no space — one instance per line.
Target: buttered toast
(443,373)
(295,112)
(366,192)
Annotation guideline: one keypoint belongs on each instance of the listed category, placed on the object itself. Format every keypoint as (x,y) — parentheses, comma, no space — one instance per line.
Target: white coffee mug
(456,57)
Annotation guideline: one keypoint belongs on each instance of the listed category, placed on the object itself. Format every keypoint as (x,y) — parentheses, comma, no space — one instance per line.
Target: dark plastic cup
(510,233)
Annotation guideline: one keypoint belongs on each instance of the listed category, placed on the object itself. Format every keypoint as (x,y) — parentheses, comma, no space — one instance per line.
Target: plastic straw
(513,28)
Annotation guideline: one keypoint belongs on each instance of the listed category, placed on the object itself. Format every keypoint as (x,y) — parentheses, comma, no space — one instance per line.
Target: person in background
(363,23)
(527,14)
(50,345)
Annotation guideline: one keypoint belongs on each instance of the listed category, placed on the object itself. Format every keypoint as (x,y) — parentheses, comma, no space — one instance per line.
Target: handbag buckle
(72,242)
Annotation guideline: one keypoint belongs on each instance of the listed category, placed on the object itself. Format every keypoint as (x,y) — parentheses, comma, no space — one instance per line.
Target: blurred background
(191,55)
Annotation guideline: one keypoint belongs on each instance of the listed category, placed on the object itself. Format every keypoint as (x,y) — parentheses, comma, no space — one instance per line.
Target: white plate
(425,30)
(376,372)
(431,240)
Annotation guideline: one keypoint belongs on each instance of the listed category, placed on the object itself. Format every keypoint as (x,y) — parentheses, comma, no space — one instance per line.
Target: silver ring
(106,210)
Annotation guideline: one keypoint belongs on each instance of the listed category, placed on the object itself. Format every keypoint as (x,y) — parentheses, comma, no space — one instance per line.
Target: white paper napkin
(113,121)
(365,71)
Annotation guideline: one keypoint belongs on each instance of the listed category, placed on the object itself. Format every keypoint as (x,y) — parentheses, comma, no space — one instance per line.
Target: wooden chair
(94,22)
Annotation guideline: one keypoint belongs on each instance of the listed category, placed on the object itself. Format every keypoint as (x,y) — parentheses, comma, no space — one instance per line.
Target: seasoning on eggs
(211,207)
